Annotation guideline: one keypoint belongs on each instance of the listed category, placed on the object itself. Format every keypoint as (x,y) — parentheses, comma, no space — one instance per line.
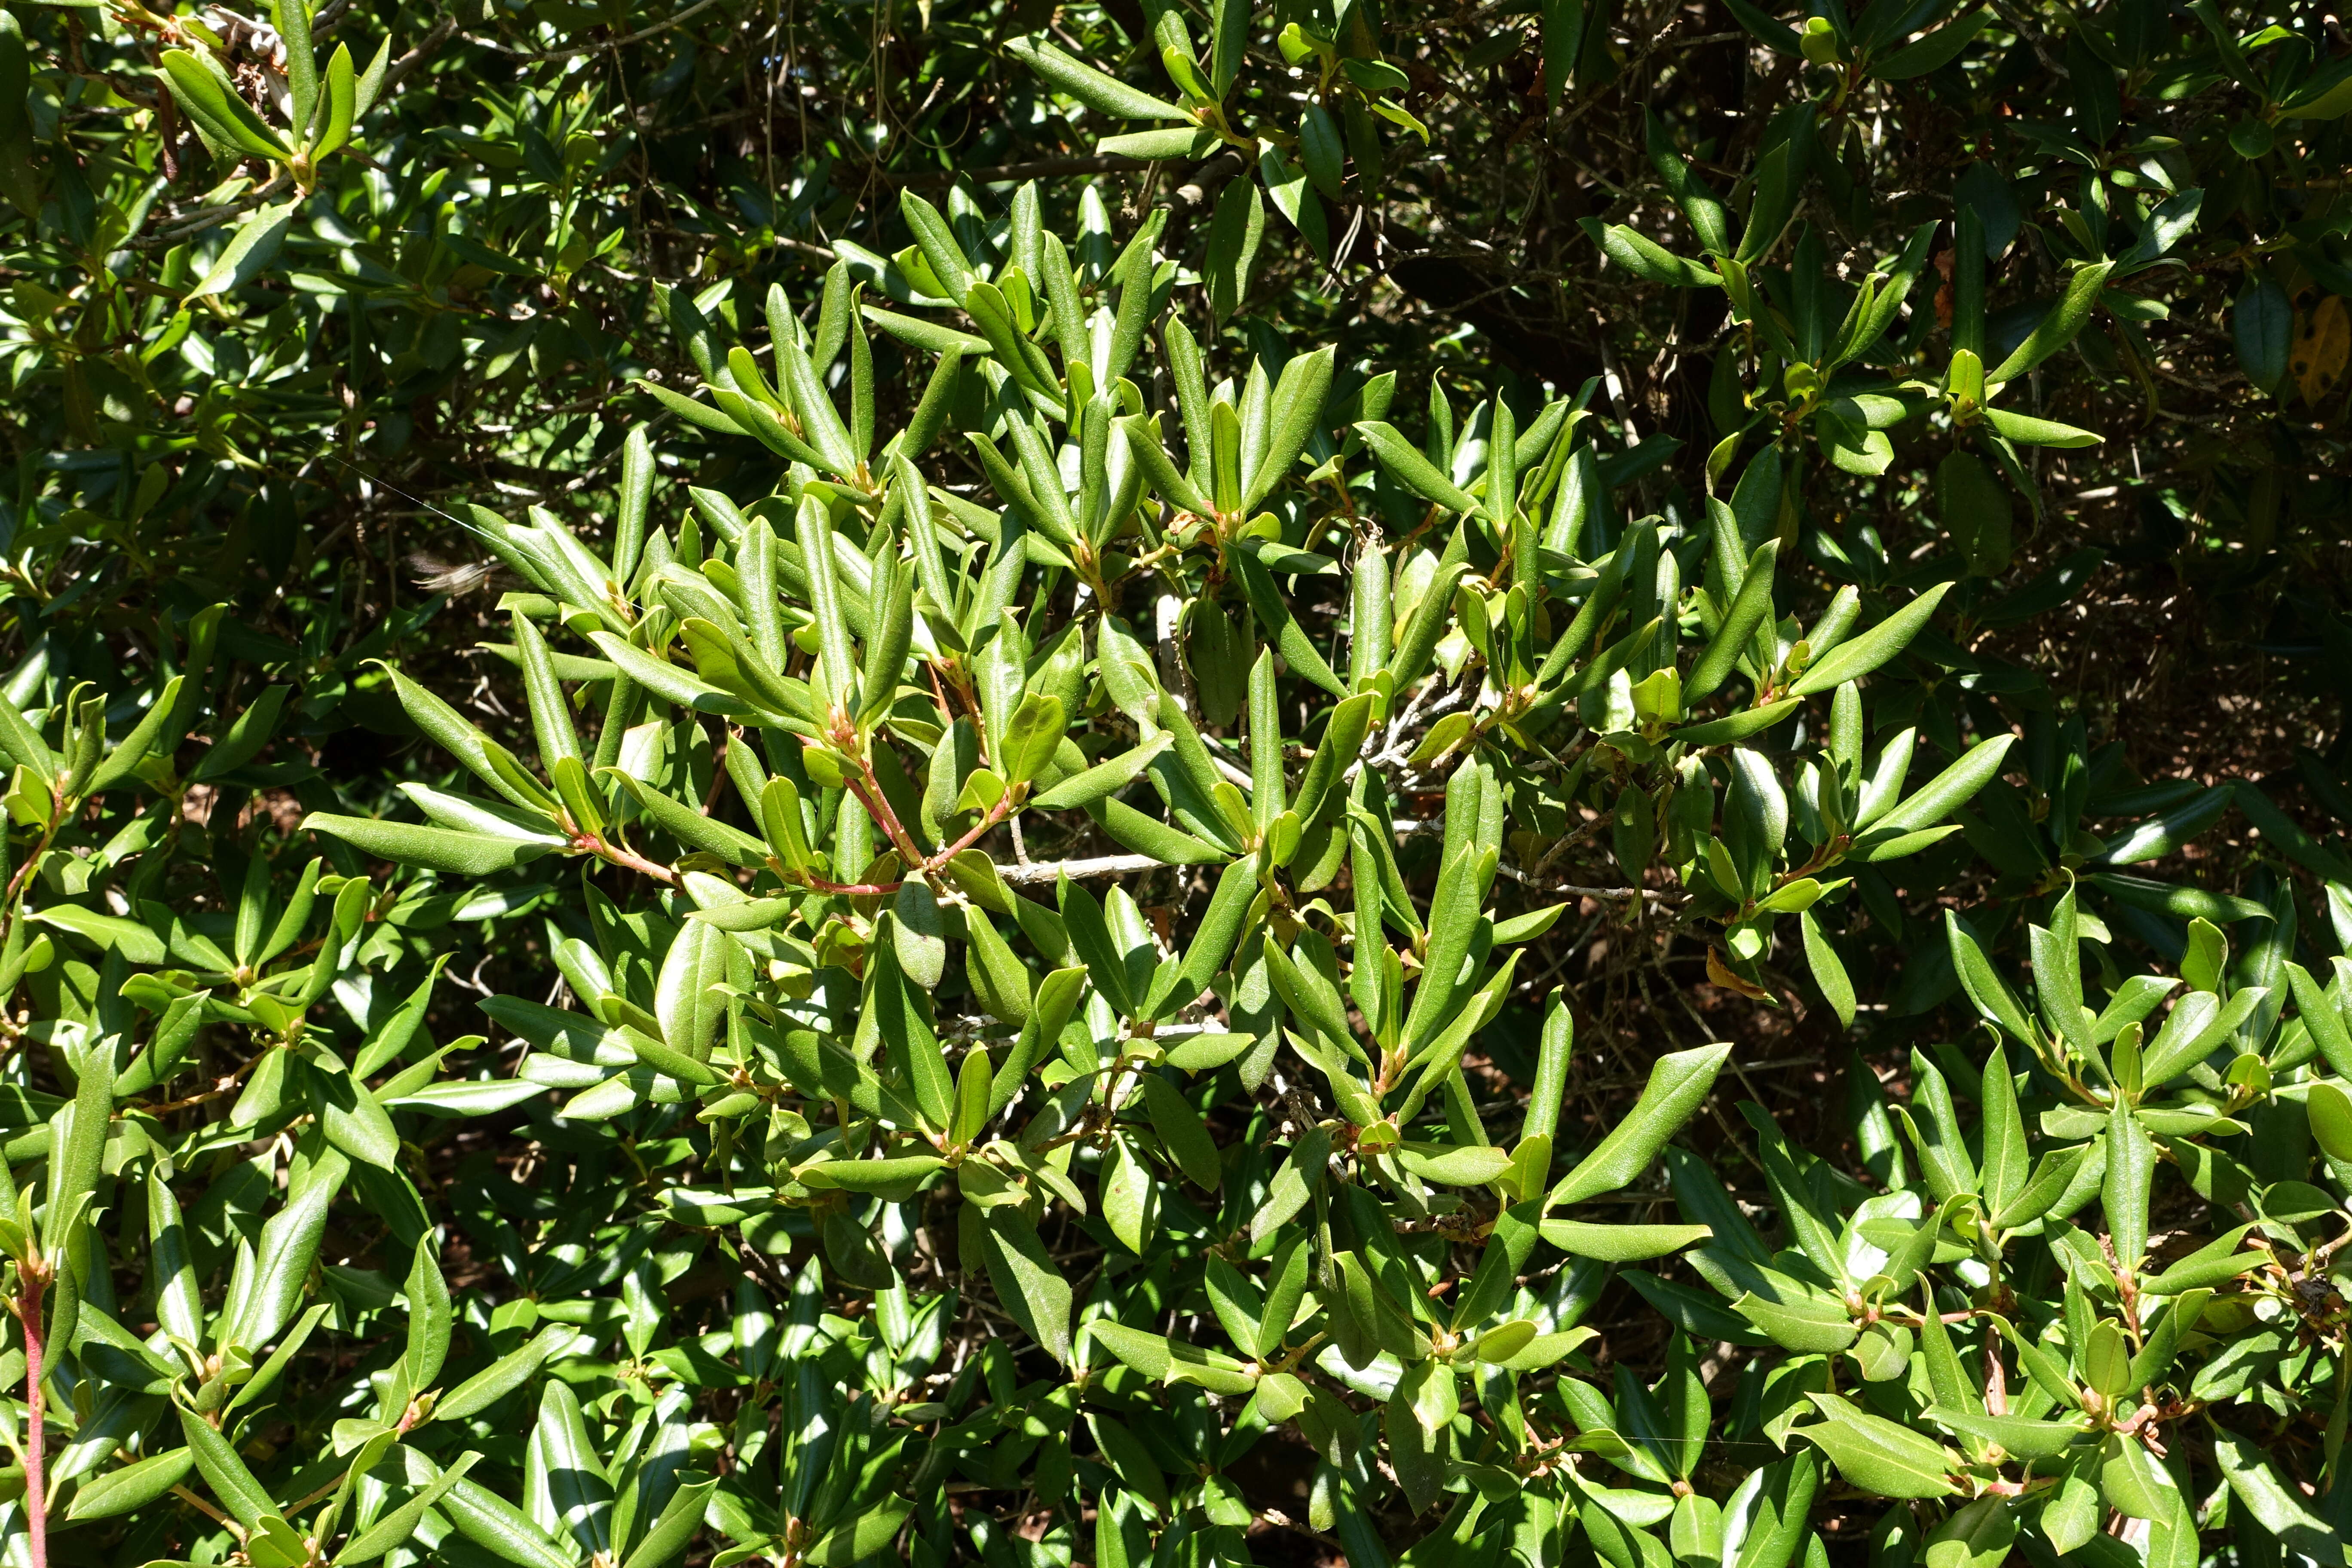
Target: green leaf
(214,104)
(666,680)
(2217,1261)
(2005,1162)
(900,1020)
(248,253)
(1104,779)
(1827,969)
(79,1148)
(501,1377)
(1235,228)
(1699,204)
(798,382)
(1182,1132)
(1405,463)
(1748,608)
(839,663)
(1299,398)
(1880,1456)
(1981,1532)
(938,244)
(1149,836)
(2174,899)
(2027,431)
(282,1259)
(1772,34)
(1455,1166)
(687,1001)
(2074,1512)
(2198,1023)
(2276,1505)
(2330,1109)
(1441,1059)
(1031,736)
(1622,1243)
(133,1486)
(292,19)
(114,933)
(399,1524)
(2021,1437)
(489,1520)
(231,1482)
(1780,175)
(551,714)
(349,1117)
(578,1490)
(1734,726)
(429,1319)
(887,1176)
(342,103)
(861,1538)
(1645,258)
(2124,1196)
(1299,1176)
(1417,640)
(179,1299)
(426,848)
(1679,1083)
(681,1520)
(2262,326)
(1937,798)
(2059,328)
(2154,837)
(2288,838)
(1453,923)
(245,737)
(141,743)
(1946,1376)
(2053,1176)
(1169,483)
(1944,1155)
(690,826)
(1290,637)
(1929,53)
(1858,656)
(1027,1283)
(2135,1480)
(1335,753)
(1105,94)
(1755,820)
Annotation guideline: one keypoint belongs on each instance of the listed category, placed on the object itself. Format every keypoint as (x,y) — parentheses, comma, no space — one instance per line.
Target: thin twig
(696,8)
(1035,169)
(406,66)
(32,1282)
(1652,895)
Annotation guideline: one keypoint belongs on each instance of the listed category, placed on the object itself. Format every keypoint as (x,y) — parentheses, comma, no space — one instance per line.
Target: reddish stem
(28,1311)
(629,858)
(8,901)
(869,795)
(877,807)
(1996,1374)
(854,890)
(997,814)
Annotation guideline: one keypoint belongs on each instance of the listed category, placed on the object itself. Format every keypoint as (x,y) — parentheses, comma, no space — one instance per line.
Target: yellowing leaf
(2322,342)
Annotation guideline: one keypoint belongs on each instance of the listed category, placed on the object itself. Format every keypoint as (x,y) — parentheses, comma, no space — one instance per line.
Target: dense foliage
(1175,783)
